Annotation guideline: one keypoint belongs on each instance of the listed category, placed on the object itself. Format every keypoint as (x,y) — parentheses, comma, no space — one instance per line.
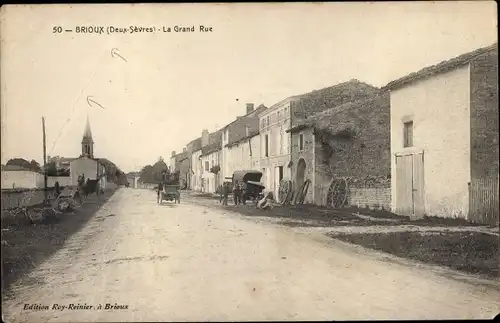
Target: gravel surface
(193,263)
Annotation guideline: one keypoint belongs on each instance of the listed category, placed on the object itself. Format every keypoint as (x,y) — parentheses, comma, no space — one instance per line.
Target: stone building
(210,158)
(276,141)
(345,153)
(240,147)
(444,139)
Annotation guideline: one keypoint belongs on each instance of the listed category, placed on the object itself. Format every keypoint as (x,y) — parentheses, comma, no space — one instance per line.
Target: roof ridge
(345,105)
(442,66)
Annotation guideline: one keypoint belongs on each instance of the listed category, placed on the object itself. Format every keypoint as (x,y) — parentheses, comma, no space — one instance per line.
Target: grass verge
(469,252)
(25,247)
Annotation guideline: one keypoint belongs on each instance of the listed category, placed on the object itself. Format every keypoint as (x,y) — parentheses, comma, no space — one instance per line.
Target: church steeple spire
(87,141)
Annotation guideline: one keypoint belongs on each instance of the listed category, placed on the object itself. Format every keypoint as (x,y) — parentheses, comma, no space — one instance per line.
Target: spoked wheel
(337,193)
(285,191)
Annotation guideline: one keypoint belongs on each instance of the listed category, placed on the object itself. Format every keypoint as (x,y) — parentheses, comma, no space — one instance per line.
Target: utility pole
(44,163)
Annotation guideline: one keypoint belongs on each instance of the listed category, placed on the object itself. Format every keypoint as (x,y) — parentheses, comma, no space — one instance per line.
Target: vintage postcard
(249,161)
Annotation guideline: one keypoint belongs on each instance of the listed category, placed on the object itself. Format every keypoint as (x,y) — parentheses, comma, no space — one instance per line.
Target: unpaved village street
(186,262)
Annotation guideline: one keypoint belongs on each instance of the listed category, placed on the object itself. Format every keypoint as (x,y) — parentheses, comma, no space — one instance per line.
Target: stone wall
(22,198)
(484,116)
(373,198)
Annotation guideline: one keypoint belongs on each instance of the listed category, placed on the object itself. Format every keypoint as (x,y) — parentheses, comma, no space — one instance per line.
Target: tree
(158,168)
(21,162)
(35,166)
(51,169)
(146,174)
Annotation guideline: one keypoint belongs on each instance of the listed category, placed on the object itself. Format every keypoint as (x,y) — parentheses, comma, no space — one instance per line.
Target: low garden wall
(12,198)
(372,198)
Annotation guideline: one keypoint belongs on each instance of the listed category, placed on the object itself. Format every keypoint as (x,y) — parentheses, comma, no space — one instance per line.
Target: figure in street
(225,193)
(236,193)
(159,191)
(57,188)
(266,203)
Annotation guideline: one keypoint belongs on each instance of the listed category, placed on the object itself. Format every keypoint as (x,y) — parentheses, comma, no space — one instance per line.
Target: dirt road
(190,263)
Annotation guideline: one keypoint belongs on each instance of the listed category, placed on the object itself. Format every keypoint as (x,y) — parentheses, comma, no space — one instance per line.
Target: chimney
(204,138)
(249,107)
(173,153)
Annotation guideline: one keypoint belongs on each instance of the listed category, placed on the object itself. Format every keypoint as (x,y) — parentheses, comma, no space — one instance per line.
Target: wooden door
(410,185)
(404,203)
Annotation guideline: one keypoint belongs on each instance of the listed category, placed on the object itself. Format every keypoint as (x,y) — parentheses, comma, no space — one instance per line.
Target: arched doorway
(300,175)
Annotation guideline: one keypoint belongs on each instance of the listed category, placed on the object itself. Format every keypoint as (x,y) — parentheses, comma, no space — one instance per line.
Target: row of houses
(425,144)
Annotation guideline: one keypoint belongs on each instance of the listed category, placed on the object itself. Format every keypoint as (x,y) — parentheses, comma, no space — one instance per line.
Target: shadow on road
(171,205)
(24,248)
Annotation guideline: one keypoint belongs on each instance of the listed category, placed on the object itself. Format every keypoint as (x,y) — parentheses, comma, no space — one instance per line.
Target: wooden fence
(483,201)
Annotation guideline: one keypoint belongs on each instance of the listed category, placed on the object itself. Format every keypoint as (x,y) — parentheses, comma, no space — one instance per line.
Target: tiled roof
(195,144)
(353,115)
(442,67)
(215,137)
(336,95)
(215,143)
(250,135)
(180,156)
(210,149)
(255,112)
(237,128)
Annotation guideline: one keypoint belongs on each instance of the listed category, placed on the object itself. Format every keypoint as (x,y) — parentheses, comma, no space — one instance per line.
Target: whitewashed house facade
(211,181)
(275,159)
(210,159)
(196,171)
(90,168)
(244,154)
(240,143)
(444,137)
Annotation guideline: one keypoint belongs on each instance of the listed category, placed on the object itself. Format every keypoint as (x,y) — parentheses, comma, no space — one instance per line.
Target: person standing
(160,190)
(57,188)
(225,193)
(236,195)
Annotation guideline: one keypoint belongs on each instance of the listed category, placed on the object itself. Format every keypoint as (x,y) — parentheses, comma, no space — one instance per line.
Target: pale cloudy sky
(174,85)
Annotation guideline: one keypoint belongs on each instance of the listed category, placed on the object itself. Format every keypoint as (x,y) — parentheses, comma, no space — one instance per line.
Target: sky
(170,86)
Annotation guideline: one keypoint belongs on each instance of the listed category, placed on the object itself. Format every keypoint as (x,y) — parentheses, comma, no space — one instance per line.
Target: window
(262,123)
(279,115)
(301,142)
(207,166)
(267,120)
(266,145)
(408,134)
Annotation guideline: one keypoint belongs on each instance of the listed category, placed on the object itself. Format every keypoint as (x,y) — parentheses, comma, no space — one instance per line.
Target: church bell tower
(87,141)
